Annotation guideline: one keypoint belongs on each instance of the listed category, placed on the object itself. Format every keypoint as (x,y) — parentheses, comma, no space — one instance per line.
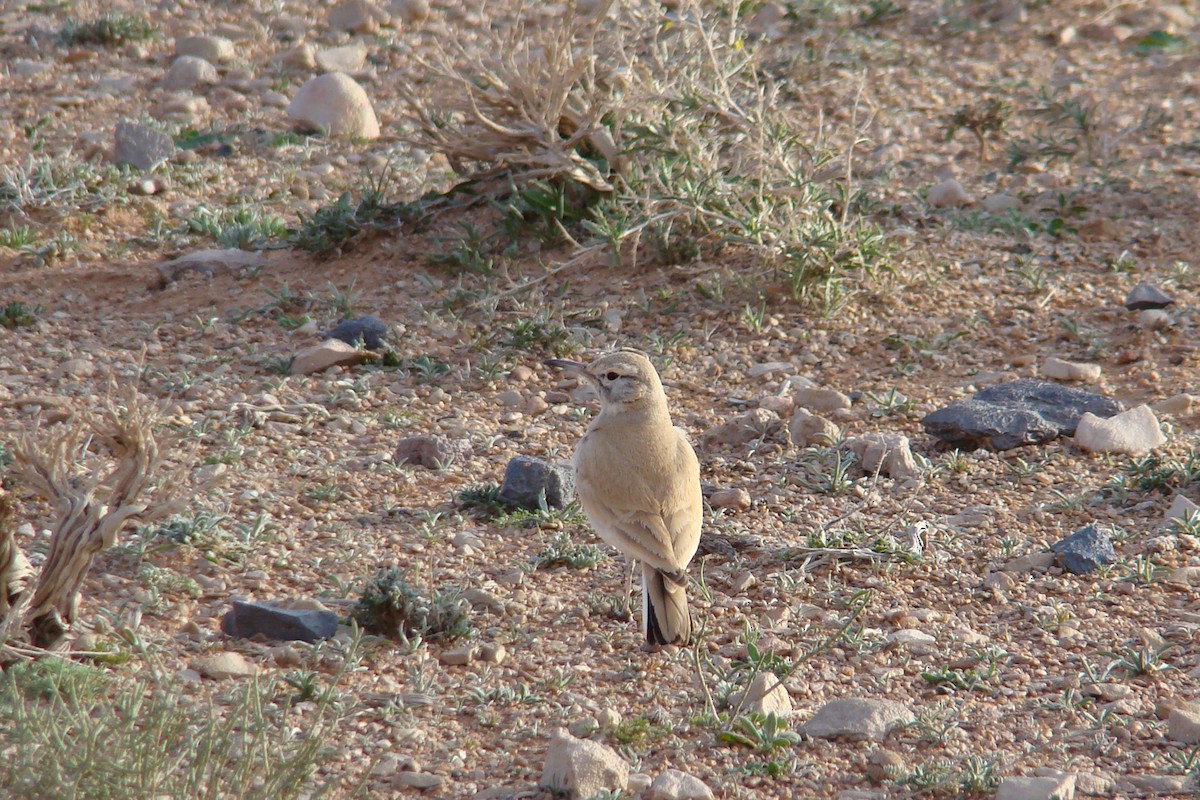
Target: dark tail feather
(665,615)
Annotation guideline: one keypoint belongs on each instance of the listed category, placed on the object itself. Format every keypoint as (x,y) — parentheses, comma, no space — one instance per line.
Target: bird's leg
(627,598)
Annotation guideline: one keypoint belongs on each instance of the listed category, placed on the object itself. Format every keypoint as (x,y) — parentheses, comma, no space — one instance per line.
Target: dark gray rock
(141,146)
(1017,413)
(1147,295)
(1085,550)
(433,452)
(530,481)
(305,625)
(371,331)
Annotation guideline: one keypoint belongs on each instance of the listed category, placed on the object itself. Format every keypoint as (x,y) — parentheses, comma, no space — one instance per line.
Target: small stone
(1147,295)
(224,666)
(759,370)
(1034,562)
(213,49)
(755,424)
(857,718)
(409,10)
(808,429)
(609,718)
(1085,550)
(888,453)
(358,16)
(369,332)
(140,146)
(1154,319)
(335,104)
(530,483)
(329,353)
(884,765)
(1132,432)
(187,72)
(639,782)
(301,57)
(1001,581)
(737,499)
(520,374)
(459,656)
(820,400)
(766,695)
(949,193)
(510,398)
(536,405)
(418,780)
(1062,370)
(1167,786)
(76,368)
(676,785)
(916,642)
(780,405)
(1176,405)
(1183,725)
(349,58)
(582,768)
(432,452)
(247,619)
(1060,787)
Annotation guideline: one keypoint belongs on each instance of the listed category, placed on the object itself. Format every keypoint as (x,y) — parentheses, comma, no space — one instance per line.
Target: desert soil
(970,298)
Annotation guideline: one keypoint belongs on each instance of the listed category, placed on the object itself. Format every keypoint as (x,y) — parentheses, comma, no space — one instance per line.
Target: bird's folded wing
(642,535)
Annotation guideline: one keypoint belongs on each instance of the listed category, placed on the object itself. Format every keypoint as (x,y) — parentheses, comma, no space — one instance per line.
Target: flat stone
(211,262)
(530,483)
(857,718)
(304,625)
(1183,725)
(370,332)
(1034,562)
(999,203)
(1176,405)
(224,666)
(358,16)
(349,58)
(820,400)
(1132,432)
(676,785)
(417,780)
(432,452)
(759,370)
(582,768)
(1061,370)
(1017,413)
(1085,550)
(187,72)
(459,656)
(916,642)
(1147,295)
(1060,787)
(1155,319)
(329,353)
(335,104)
(213,49)
(141,146)
(758,423)
(736,499)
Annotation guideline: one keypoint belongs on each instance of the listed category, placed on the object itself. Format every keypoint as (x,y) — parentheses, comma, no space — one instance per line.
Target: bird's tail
(665,615)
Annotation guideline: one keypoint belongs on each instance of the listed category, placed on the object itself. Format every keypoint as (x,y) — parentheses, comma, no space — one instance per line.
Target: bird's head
(624,379)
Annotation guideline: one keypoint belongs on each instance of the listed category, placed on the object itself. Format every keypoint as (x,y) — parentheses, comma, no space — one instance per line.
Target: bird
(638,480)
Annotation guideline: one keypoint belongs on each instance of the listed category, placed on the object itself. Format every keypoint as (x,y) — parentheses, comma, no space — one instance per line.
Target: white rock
(459,656)
(858,718)
(302,56)
(888,453)
(582,768)
(349,58)
(999,203)
(676,785)
(1061,787)
(808,429)
(948,193)
(327,354)
(187,72)
(76,368)
(223,666)
(1132,432)
(1154,319)
(821,401)
(334,103)
(1061,370)
(1176,405)
(409,10)
(766,695)
(916,642)
(1184,723)
(213,49)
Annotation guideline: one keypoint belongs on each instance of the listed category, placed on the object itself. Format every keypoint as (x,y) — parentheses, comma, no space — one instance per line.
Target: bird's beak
(572,368)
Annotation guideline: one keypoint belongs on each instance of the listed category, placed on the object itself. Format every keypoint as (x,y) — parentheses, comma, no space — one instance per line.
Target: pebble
(808,429)
(493,653)
(520,374)
(1131,432)
(431,452)
(76,368)
(224,666)
(737,499)
(888,453)
(1183,724)
(1154,319)
(358,16)
(1147,295)
(349,58)
(947,194)
(582,768)
(1060,787)
(301,57)
(758,423)
(334,103)
(916,642)
(1085,550)
(459,656)
(820,400)
(418,780)
(1175,405)
(409,10)
(1061,370)
(857,718)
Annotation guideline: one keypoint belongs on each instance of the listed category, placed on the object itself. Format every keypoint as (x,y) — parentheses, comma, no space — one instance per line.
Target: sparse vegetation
(390,606)
(108,30)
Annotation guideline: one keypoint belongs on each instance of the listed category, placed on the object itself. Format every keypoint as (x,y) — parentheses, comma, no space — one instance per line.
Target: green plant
(391,607)
(330,229)
(109,30)
(245,227)
(17,238)
(827,470)
(18,315)
(562,552)
(763,734)
(980,118)
(1145,660)
(483,498)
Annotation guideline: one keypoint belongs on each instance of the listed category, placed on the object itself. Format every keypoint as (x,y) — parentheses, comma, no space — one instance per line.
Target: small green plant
(636,731)
(1144,661)
(982,118)
(1161,42)
(243,227)
(959,680)
(562,552)
(331,228)
(391,607)
(891,403)
(483,498)
(18,315)
(109,30)
(17,238)
(828,470)
(763,734)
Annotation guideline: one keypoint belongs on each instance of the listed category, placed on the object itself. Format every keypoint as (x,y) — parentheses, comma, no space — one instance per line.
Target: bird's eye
(612,376)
